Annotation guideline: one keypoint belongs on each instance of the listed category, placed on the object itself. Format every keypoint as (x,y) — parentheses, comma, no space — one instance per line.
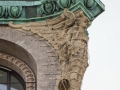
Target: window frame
(14,74)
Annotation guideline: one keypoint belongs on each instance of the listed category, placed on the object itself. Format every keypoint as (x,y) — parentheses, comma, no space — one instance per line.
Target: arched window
(10,80)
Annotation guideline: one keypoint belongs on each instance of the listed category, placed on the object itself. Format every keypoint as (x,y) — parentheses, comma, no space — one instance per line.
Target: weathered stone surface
(69,40)
(34,52)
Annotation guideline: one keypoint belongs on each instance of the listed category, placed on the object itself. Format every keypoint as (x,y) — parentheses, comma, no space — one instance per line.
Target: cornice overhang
(38,11)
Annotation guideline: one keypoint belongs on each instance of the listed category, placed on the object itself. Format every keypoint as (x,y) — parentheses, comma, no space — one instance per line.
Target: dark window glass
(3,77)
(14,80)
(16,87)
(9,80)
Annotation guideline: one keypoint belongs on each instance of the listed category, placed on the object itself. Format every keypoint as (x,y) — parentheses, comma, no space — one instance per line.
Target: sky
(103,72)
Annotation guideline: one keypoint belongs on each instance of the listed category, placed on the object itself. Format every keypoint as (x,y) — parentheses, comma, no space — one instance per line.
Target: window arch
(10,80)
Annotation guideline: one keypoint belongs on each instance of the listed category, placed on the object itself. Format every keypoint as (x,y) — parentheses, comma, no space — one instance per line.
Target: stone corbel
(67,35)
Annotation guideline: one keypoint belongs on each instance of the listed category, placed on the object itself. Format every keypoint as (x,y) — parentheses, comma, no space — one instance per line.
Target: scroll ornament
(67,35)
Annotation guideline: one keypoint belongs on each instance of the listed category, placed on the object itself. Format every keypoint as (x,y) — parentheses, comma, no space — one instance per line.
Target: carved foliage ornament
(28,74)
(67,35)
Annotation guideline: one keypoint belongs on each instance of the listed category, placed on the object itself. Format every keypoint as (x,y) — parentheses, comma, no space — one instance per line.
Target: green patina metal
(24,11)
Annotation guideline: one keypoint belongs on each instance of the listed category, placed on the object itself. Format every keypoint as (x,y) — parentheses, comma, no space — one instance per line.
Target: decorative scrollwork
(68,37)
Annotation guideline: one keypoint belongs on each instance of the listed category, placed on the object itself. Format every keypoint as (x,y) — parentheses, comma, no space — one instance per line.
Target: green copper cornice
(20,3)
(29,11)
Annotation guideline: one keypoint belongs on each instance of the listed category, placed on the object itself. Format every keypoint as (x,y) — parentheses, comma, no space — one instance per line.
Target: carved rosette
(28,75)
(67,35)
